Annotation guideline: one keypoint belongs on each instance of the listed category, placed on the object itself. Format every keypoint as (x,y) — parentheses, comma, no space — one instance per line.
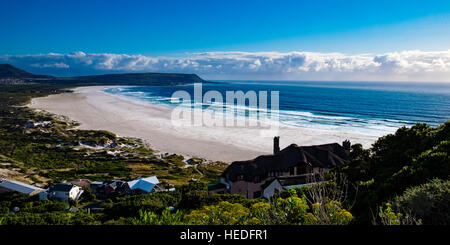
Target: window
(291,170)
(301,169)
(257,194)
(257,179)
(275,173)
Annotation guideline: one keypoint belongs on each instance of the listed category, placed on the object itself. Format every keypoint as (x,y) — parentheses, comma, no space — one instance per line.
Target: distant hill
(142,78)
(9,71)
(12,75)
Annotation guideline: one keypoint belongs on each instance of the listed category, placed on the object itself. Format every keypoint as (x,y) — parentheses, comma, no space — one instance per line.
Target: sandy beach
(98,110)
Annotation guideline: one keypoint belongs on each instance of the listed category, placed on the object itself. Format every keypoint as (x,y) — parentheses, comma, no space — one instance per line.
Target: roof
(80,182)
(19,187)
(289,182)
(114,183)
(216,185)
(144,184)
(61,187)
(322,156)
(298,180)
(288,187)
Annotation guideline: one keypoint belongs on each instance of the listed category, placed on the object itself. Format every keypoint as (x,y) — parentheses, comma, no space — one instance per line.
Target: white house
(17,186)
(64,192)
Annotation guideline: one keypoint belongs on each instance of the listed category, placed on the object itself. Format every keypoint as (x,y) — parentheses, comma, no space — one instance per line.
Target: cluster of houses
(262,177)
(74,189)
(292,167)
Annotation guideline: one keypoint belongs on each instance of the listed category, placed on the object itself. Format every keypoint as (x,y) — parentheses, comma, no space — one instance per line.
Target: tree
(410,157)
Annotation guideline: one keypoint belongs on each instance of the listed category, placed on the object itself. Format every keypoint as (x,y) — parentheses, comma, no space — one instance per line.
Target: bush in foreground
(429,202)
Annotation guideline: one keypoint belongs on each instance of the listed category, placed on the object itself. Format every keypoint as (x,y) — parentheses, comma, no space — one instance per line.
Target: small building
(144,185)
(113,186)
(280,184)
(17,186)
(64,192)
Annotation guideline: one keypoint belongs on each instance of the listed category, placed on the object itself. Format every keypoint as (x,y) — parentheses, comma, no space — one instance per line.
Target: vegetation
(429,202)
(387,216)
(292,210)
(166,218)
(396,162)
(19,209)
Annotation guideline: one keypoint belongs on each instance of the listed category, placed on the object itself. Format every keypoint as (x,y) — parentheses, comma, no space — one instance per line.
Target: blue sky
(173,27)
(181,28)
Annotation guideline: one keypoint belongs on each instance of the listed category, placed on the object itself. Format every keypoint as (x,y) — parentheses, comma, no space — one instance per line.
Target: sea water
(370,108)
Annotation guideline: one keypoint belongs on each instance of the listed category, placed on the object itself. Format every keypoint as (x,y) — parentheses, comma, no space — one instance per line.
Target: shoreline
(98,110)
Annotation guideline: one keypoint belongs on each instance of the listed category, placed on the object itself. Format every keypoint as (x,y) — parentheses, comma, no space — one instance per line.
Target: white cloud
(50,65)
(406,65)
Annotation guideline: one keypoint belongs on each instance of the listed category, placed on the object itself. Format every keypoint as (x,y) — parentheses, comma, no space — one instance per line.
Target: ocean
(370,108)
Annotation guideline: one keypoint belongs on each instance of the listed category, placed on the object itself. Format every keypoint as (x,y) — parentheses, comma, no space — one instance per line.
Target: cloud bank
(412,65)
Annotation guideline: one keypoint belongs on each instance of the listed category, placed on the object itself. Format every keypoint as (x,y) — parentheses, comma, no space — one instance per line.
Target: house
(103,189)
(249,177)
(279,184)
(17,186)
(113,186)
(144,185)
(64,192)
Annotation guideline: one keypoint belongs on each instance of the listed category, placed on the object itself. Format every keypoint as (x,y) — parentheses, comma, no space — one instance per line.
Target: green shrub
(396,162)
(166,218)
(51,218)
(429,202)
(88,195)
(129,206)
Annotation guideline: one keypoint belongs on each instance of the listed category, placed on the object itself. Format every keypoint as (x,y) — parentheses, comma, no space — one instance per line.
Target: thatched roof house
(318,156)
(296,162)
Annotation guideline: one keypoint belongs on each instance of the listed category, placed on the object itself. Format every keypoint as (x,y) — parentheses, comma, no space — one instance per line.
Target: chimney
(276,144)
(346,144)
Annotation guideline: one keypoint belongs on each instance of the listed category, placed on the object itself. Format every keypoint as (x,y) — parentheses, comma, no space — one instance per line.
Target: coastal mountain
(141,79)
(12,75)
(9,71)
